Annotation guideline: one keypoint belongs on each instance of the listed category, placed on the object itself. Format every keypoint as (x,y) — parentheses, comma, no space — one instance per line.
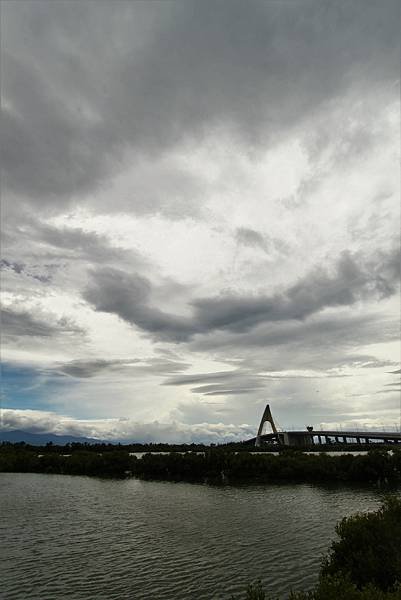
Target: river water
(84,538)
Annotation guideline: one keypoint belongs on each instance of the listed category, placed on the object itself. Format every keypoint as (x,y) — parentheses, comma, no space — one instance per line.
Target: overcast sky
(200,216)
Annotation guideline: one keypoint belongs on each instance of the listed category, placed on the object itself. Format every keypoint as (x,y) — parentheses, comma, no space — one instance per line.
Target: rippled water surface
(84,538)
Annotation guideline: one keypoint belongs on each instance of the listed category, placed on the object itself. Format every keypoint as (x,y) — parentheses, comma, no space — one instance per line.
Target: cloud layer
(129,297)
(200,214)
(73,104)
(124,430)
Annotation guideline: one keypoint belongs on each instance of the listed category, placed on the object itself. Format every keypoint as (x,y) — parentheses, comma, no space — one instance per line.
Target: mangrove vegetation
(214,465)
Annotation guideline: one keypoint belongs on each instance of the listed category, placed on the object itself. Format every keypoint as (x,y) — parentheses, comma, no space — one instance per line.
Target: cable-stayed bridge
(311,437)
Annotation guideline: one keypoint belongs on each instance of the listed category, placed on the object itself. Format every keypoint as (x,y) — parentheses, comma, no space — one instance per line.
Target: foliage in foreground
(364,564)
(329,588)
(369,548)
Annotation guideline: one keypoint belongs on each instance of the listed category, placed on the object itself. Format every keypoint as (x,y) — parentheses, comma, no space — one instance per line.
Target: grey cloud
(76,244)
(132,366)
(224,383)
(82,243)
(203,378)
(365,362)
(129,297)
(89,368)
(250,237)
(20,323)
(22,269)
(159,367)
(16,267)
(40,252)
(351,280)
(224,392)
(321,343)
(212,388)
(244,380)
(173,71)
(320,333)
(67,243)
(254,239)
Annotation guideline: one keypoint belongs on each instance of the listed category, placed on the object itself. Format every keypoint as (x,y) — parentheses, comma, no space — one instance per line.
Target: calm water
(85,538)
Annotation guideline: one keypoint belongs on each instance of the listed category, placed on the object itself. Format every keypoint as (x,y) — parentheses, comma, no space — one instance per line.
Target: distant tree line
(245,446)
(363,564)
(214,465)
(71,447)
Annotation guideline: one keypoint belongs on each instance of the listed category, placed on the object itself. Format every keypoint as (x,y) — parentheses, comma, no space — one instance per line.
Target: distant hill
(39,439)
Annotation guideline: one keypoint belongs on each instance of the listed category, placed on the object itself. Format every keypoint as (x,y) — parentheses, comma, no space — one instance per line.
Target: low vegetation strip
(215,465)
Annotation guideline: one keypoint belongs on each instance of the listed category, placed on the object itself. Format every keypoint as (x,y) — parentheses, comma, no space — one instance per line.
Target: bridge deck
(298,438)
(349,434)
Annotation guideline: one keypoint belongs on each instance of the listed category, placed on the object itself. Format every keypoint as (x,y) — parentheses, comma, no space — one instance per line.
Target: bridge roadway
(310,438)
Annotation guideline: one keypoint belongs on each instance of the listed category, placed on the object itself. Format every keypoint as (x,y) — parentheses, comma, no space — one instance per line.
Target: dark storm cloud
(351,281)
(85,82)
(130,297)
(17,324)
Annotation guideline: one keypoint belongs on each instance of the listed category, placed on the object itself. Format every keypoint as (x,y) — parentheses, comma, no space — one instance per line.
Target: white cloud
(127,430)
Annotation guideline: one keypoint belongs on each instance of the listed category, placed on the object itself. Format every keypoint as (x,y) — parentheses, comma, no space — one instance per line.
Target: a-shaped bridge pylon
(267,417)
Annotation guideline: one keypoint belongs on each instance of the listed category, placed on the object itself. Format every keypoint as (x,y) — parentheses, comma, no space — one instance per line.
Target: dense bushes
(111,464)
(369,548)
(213,465)
(329,588)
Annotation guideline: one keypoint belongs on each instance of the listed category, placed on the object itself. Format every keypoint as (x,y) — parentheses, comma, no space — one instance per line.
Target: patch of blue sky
(26,387)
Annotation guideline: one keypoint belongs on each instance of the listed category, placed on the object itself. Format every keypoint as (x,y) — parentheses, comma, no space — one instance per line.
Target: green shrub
(369,548)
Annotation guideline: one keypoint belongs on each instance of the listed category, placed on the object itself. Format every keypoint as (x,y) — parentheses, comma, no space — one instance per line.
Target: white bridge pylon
(267,417)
